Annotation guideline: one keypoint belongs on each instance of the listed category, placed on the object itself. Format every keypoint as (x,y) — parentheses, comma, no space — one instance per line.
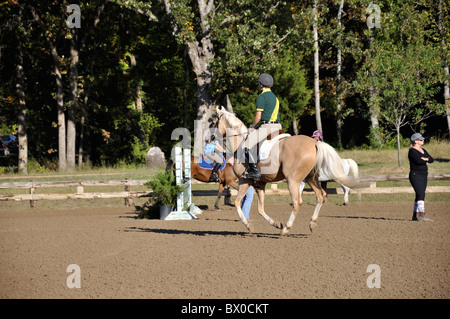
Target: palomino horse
(350,168)
(297,158)
(226,176)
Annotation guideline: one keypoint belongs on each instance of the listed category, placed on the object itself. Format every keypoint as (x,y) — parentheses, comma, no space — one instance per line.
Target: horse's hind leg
(315,185)
(297,201)
(346,191)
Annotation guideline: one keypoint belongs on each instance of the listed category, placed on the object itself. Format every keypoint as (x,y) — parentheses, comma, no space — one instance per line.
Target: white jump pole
(183,178)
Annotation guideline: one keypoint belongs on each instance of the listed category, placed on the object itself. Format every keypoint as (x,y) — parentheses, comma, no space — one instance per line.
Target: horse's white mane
(233,121)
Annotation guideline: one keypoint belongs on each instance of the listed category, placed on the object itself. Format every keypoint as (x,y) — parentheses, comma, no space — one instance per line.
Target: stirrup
(256,176)
(214,177)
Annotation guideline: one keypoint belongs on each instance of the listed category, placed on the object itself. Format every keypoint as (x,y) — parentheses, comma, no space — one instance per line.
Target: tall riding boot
(214,177)
(253,170)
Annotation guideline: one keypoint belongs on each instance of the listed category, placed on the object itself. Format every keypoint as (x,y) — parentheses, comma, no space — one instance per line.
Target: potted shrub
(165,192)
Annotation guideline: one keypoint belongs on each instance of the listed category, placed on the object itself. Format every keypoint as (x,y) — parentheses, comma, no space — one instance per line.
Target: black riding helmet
(266,80)
(211,138)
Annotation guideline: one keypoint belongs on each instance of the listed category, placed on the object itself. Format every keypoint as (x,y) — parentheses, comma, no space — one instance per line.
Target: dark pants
(418,181)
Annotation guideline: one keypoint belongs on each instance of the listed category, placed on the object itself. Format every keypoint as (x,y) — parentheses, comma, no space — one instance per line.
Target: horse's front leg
(219,194)
(260,191)
(227,196)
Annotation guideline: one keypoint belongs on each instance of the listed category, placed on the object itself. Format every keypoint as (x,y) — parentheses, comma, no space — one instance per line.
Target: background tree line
(134,70)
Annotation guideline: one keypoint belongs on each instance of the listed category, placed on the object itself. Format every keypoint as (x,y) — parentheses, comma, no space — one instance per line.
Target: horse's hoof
(284,231)
(217,208)
(250,227)
(312,225)
(278,225)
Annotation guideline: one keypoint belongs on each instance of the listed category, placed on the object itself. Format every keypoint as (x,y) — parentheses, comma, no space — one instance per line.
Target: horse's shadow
(366,217)
(222,233)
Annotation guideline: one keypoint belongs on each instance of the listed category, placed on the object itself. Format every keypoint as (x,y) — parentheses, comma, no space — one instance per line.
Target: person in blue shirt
(210,151)
(246,203)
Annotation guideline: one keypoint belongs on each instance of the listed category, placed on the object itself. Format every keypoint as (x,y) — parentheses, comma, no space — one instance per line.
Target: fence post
(80,189)
(32,189)
(128,199)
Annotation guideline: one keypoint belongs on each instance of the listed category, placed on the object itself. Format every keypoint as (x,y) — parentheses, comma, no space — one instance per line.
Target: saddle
(266,145)
(206,163)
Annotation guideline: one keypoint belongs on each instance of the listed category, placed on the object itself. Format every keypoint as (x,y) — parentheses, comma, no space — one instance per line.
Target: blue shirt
(210,147)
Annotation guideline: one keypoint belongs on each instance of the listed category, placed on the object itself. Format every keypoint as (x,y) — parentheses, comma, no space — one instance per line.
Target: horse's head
(225,120)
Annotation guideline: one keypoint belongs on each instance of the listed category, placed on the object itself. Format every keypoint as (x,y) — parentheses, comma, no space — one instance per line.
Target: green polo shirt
(269,105)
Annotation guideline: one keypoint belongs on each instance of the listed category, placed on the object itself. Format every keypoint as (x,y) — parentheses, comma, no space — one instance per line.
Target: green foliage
(291,89)
(290,86)
(397,68)
(165,190)
(402,73)
(143,126)
(247,35)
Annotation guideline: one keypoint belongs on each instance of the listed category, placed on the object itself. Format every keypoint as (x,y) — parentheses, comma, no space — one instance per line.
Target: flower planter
(164,211)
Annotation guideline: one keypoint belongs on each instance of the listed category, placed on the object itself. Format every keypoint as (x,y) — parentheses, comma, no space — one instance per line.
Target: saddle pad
(266,146)
(206,163)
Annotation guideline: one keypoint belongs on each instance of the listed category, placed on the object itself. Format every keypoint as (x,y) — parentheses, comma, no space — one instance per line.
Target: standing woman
(418,174)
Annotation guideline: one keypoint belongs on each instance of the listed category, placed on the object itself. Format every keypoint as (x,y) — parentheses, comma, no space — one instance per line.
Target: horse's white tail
(353,167)
(329,163)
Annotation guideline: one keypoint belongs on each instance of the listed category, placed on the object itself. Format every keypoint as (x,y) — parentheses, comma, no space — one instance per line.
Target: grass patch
(385,162)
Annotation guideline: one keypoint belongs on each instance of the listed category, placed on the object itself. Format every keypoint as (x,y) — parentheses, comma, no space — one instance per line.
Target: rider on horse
(267,111)
(210,152)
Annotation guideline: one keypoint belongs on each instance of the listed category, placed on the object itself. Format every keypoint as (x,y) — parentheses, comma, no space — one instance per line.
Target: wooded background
(103,85)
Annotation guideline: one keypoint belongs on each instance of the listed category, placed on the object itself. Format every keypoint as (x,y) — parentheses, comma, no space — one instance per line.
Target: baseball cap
(417,136)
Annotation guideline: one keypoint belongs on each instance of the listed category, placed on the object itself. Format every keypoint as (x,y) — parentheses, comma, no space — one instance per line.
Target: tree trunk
(373,109)
(137,83)
(338,71)
(316,67)
(81,140)
(137,95)
(447,97)
(446,68)
(22,111)
(60,110)
(59,96)
(75,47)
(399,154)
(72,105)
(186,85)
(228,105)
(294,126)
(201,54)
